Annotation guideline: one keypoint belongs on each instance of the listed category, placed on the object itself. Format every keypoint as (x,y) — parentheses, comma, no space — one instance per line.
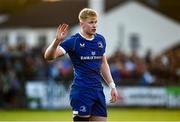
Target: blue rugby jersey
(86,56)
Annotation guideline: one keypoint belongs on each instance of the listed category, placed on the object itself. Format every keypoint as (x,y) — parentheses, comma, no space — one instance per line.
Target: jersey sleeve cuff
(62,49)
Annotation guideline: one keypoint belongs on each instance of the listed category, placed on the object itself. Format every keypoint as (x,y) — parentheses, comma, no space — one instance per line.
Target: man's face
(89,25)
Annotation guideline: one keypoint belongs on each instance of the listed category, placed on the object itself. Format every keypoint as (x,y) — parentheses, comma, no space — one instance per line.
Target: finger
(115,97)
(64,27)
(112,100)
(59,27)
(118,97)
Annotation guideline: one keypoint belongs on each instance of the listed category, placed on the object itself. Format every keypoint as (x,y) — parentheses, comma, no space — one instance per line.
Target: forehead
(91,19)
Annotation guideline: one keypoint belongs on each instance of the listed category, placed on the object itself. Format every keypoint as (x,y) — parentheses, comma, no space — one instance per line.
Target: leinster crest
(100,45)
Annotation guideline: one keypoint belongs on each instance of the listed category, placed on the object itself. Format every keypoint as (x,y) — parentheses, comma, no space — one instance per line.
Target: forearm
(50,52)
(107,74)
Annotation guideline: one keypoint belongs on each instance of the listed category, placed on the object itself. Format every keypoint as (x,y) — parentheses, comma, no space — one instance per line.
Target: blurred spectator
(148,57)
(22,63)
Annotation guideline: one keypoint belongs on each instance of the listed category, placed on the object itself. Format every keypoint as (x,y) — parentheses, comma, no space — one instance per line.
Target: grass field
(115,114)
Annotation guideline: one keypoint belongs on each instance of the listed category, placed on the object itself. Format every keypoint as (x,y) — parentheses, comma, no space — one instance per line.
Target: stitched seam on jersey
(75,44)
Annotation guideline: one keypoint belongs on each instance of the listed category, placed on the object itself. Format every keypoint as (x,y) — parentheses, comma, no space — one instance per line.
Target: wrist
(57,41)
(112,85)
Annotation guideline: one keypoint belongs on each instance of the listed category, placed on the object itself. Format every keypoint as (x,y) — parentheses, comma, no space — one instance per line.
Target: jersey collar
(85,37)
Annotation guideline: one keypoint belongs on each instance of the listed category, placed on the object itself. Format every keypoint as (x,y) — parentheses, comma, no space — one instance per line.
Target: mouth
(94,30)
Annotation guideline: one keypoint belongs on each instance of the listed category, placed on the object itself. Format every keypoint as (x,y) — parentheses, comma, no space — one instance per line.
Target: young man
(86,50)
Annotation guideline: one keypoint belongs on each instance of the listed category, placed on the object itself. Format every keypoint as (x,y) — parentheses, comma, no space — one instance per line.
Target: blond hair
(86,13)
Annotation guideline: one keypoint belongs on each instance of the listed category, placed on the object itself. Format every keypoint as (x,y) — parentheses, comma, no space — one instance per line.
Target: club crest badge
(100,45)
(82,108)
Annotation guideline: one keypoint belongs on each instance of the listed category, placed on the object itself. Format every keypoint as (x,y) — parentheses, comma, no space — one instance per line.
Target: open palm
(62,32)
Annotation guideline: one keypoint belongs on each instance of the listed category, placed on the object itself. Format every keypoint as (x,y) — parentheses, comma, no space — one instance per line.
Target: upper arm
(60,51)
(66,46)
(104,59)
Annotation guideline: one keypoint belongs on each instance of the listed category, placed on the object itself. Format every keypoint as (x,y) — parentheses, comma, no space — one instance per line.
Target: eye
(92,22)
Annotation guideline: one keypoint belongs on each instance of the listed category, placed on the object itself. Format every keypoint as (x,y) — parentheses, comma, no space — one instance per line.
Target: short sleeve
(67,45)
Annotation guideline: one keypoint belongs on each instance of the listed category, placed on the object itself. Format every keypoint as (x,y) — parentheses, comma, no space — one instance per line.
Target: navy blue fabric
(86,57)
(88,102)
(87,97)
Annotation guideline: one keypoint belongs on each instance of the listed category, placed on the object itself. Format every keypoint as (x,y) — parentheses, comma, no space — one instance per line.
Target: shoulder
(73,37)
(70,39)
(69,43)
(99,36)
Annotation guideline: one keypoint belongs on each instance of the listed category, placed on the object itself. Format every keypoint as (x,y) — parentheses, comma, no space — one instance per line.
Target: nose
(94,25)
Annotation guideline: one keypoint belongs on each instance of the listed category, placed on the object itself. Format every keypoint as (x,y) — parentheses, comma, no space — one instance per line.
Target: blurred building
(131,28)
(127,25)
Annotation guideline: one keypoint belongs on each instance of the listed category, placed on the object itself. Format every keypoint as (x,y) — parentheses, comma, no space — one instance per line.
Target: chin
(93,33)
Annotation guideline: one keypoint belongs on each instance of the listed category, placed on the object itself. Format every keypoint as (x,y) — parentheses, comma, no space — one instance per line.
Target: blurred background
(143,51)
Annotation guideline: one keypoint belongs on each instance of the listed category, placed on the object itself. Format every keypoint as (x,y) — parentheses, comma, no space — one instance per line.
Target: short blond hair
(86,13)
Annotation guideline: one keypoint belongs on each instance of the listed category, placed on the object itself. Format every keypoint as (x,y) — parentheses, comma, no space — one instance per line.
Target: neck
(86,36)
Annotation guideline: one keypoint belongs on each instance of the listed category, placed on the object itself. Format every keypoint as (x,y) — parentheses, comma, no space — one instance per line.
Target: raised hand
(62,32)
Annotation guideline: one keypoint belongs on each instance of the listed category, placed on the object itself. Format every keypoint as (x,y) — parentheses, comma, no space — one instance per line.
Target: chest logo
(100,45)
(82,45)
(93,53)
